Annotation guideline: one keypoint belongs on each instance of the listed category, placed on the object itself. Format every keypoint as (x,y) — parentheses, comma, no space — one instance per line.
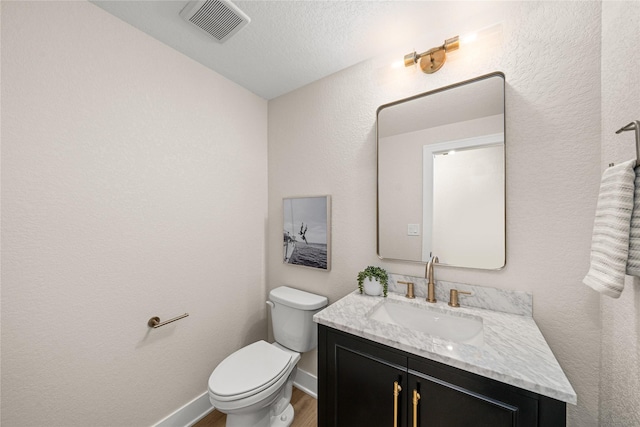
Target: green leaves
(374,273)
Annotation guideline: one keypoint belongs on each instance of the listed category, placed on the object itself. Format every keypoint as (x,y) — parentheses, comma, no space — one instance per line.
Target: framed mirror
(441,175)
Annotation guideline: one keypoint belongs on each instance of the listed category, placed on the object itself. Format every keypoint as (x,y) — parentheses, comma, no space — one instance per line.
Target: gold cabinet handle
(396,392)
(416,398)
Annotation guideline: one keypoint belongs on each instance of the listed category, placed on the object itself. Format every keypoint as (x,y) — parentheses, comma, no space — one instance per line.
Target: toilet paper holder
(155,322)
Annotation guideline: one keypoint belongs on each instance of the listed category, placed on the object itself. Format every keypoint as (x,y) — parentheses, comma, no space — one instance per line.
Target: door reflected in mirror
(441,175)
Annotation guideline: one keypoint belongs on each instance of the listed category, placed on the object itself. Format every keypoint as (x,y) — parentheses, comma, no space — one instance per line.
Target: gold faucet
(453,297)
(431,294)
(410,293)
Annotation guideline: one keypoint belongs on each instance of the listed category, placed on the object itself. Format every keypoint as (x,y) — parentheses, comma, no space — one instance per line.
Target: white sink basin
(434,321)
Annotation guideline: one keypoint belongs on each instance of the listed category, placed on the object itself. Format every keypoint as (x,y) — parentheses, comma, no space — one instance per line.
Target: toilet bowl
(253,385)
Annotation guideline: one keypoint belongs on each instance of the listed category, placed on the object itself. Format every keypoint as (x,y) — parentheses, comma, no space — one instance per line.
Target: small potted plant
(373,281)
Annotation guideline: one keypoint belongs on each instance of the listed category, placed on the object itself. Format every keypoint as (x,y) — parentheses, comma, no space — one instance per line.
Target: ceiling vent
(220,19)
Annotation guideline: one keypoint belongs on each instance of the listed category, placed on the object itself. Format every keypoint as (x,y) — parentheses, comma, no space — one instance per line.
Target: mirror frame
(422,95)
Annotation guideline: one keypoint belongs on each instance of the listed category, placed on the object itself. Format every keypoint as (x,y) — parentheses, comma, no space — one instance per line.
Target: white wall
(620,374)
(322,141)
(133,185)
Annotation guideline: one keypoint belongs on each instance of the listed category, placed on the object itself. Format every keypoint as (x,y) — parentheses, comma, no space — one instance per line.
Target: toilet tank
(292,313)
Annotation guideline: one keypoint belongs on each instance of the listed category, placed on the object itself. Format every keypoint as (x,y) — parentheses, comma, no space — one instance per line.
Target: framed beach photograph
(307,231)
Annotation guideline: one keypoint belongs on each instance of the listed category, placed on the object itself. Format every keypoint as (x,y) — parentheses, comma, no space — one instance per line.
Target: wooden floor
(304,406)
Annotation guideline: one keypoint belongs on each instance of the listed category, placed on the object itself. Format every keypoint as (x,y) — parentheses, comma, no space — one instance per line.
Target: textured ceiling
(289,44)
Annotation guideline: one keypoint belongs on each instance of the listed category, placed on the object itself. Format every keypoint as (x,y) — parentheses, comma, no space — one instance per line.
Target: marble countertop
(514,350)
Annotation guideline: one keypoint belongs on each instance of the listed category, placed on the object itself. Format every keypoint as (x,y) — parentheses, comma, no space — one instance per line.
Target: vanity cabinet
(363,383)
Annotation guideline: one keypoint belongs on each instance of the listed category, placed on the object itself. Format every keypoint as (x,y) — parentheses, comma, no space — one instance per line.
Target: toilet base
(284,419)
(262,418)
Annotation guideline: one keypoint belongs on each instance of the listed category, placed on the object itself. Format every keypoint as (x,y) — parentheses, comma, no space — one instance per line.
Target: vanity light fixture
(433,59)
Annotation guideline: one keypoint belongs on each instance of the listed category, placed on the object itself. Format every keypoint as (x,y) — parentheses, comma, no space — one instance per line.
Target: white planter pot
(372,287)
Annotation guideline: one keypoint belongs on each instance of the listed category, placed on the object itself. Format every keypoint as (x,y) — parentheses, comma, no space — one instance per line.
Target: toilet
(253,385)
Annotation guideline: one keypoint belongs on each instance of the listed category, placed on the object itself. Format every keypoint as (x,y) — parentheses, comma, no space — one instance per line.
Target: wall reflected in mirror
(441,175)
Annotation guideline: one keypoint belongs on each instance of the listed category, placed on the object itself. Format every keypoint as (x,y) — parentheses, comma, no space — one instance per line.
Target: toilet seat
(249,371)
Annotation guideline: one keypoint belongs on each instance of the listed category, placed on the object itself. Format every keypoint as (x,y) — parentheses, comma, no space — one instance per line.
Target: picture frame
(307,231)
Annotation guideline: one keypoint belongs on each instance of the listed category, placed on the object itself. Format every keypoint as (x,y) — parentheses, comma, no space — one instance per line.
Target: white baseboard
(307,382)
(189,414)
(199,407)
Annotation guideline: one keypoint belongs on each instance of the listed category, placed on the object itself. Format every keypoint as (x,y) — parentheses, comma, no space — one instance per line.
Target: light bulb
(468,38)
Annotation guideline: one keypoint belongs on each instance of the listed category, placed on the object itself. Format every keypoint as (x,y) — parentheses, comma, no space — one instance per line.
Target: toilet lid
(250,369)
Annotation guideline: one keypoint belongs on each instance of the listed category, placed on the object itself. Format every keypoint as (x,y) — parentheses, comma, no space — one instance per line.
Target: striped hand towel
(610,242)
(633,263)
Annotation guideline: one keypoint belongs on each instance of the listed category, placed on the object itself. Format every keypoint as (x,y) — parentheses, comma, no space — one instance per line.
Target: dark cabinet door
(366,386)
(454,398)
(441,404)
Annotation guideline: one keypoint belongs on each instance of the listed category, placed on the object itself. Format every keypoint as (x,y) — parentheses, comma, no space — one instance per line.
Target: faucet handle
(410,293)
(453,297)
